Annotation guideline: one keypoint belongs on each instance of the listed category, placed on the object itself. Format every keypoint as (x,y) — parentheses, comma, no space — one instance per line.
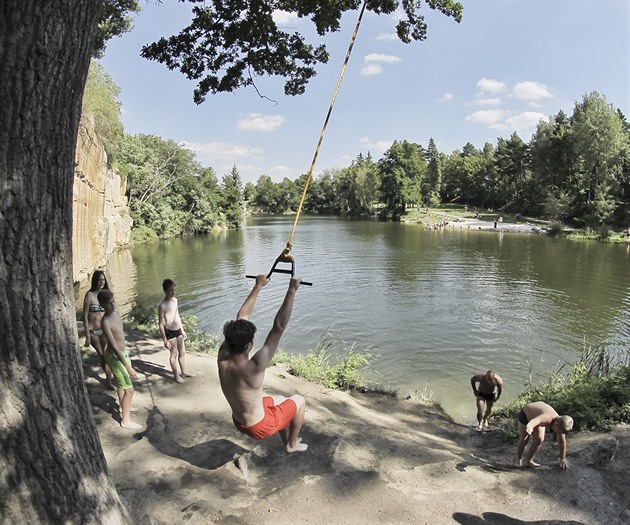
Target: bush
(144,318)
(198,340)
(603,232)
(316,366)
(143,235)
(595,392)
(555,229)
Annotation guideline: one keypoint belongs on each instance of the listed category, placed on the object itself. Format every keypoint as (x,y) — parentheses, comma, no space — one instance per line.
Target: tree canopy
(231,42)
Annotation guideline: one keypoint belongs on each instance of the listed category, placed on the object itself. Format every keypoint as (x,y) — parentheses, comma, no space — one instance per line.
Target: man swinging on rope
(242,376)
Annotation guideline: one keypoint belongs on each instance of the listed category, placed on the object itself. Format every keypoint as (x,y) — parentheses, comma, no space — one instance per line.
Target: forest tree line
(575,169)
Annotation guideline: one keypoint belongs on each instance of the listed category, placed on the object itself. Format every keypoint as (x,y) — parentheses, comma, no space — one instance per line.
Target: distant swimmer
(486,395)
(242,377)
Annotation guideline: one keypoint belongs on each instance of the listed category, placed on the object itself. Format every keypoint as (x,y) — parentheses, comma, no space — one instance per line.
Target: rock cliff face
(101,220)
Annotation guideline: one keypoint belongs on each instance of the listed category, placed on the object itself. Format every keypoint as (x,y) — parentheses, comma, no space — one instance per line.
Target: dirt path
(371,459)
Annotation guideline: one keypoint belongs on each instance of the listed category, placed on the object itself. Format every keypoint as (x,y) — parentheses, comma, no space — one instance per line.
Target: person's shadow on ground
(210,454)
(495,518)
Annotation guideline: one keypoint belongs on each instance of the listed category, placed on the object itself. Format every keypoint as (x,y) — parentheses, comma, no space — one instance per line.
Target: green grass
(322,367)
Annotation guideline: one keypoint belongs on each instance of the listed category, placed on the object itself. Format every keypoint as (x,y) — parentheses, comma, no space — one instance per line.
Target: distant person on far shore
(486,395)
(117,357)
(533,419)
(172,330)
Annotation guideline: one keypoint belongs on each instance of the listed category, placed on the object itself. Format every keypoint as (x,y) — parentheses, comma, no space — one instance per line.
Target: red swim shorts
(277,417)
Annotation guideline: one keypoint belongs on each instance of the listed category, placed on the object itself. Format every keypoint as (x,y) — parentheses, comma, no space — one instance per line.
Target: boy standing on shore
(172,330)
(117,357)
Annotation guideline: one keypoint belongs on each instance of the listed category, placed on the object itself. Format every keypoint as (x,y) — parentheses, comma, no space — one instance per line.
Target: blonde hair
(565,423)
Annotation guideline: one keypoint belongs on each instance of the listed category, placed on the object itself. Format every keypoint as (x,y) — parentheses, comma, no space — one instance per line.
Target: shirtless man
(117,358)
(242,376)
(485,395)
(172,331)
(533,420)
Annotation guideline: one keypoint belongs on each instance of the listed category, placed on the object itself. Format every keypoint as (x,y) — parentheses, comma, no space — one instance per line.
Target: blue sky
(507,65)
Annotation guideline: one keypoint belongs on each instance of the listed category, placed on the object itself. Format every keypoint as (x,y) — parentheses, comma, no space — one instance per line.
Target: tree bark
(52,467)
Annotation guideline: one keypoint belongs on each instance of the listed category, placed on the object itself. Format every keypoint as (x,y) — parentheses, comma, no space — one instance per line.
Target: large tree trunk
(52,467)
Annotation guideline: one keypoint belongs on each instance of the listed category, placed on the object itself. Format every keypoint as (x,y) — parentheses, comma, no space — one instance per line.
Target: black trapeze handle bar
(283,258)
(278,270)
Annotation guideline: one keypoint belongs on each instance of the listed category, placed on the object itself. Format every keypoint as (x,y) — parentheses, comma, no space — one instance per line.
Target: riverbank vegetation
(574,172)
(595,391)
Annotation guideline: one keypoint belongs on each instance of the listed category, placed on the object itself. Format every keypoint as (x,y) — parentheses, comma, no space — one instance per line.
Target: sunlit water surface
(435,307)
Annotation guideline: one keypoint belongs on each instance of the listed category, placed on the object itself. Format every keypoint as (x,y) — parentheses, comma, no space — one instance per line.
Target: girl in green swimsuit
(92,315)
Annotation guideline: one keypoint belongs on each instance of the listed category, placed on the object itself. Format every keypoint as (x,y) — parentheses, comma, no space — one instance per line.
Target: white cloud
(282,171)
(371,69)
(447,97)
(524,121)
(378,146)
(531,91)
(490,117)
(222,151)
(283,18)
(379,57)
(494,101)
(490,85)
(260,122)
(387,37)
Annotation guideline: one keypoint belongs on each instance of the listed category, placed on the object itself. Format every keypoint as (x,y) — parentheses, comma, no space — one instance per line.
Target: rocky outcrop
(100,215)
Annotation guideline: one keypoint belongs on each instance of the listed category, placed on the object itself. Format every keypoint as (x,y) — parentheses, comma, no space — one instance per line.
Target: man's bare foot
(298,447)
(130,425)
(531,464)
(518,463)
(188,374)
(179,379)
(478,428)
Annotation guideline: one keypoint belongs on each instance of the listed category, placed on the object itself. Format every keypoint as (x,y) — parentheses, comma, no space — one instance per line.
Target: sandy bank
(371,459)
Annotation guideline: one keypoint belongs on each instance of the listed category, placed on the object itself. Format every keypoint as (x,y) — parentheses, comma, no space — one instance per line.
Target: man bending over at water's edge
(533,419)
(242,377)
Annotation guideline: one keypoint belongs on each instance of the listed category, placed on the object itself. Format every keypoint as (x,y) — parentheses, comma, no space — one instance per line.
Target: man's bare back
(242,386)
(114,323)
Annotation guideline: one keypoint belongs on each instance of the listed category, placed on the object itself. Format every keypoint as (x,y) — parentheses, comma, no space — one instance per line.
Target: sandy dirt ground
(371,459)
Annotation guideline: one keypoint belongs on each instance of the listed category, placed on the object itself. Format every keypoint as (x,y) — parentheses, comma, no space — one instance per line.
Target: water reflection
(437,306)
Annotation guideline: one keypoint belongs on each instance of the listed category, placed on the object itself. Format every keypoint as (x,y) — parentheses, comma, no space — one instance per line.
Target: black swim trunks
(487,397)
(522,418)
(173,334)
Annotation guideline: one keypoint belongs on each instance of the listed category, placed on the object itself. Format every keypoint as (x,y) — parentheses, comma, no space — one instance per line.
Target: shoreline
(372,458)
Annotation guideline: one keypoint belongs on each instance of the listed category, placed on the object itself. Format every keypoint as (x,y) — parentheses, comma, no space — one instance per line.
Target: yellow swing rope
(286,251)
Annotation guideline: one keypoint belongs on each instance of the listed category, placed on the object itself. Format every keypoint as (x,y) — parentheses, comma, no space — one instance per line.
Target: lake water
(435,307)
